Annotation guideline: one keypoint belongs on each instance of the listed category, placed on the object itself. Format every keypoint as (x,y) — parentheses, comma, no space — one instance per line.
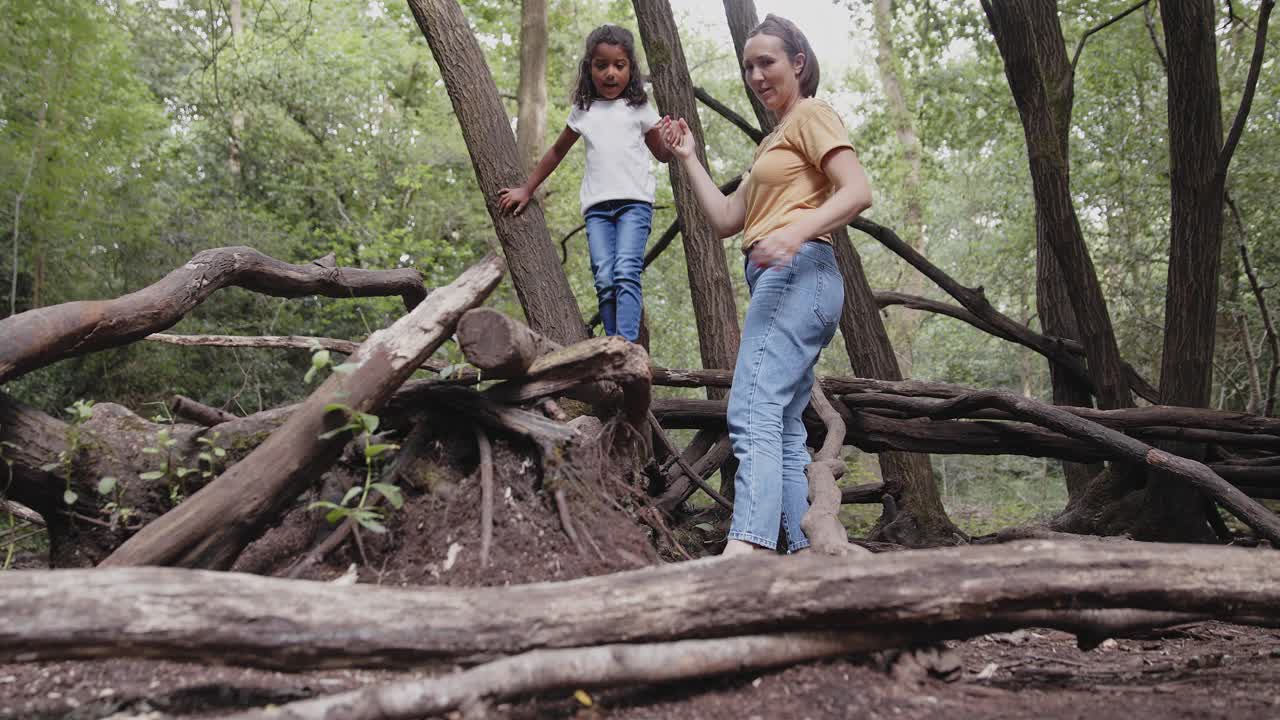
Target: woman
(804,182)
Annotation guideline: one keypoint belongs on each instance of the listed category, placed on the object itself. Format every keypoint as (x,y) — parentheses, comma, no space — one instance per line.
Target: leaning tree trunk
(742,18)
(531,123)
(1014,29)
(715,311)
(1053,301)
(539,279)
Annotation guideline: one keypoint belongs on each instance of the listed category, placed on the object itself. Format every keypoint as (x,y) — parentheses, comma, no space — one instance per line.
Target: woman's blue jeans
(793,314)
(617,232)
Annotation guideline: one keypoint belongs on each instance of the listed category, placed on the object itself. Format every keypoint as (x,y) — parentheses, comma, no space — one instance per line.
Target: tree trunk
(289,624)
(1196,202)
(1053,300)
(908,477)
(212,527)
(742,18)
(1013,22)
(531,123)
(536,273)
(714,308)
(235,14)
(904,324)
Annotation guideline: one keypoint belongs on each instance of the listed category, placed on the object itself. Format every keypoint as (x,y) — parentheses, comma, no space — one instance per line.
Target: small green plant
(80,411)
(117,511)
(163,448)
(355,503)
(322,360)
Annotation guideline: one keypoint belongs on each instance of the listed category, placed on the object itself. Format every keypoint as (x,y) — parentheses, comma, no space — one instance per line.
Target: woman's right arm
(727,214)
(518,197)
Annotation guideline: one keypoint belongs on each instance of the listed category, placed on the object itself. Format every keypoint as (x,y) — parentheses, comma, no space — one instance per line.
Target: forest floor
(1205,670)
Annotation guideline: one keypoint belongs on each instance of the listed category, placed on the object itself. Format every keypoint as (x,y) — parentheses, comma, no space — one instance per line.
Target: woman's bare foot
(738,547)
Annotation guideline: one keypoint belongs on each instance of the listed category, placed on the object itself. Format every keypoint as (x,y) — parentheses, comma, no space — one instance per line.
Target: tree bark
(1013,22)
(715,311)
(289,624)
(539,280)
(531,95)
(213,526)
(1053,300)
(742,18)
(43,336)
(904,325)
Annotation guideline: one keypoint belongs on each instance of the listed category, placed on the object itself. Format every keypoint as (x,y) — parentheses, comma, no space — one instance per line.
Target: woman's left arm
(849,198)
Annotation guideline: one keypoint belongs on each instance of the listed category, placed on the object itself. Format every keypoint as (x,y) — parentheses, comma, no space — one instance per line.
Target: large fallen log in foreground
(214,525)
(291,624)
(42,336)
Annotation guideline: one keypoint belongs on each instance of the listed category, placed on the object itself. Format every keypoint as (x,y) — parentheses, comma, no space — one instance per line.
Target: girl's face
(610,70)
(773,77)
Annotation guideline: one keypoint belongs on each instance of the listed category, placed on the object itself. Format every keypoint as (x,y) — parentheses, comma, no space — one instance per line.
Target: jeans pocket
(828,293)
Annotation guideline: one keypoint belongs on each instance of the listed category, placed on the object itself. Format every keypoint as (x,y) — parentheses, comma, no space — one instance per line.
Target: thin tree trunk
(742,18)
(42,113)
(904,323)
(1053,300)
(236,13)
(536,273)
(531,123)
(1013,22)
(714,308)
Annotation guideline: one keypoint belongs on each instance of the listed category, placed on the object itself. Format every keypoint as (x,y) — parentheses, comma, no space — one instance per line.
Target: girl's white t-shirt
(618,161)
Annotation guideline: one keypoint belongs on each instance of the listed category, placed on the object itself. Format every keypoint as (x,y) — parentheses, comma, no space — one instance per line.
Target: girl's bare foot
(738,547)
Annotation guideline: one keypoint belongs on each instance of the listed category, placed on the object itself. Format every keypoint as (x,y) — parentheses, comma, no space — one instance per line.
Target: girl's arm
(726,214)
(657,145)
(516,198)
(851,195)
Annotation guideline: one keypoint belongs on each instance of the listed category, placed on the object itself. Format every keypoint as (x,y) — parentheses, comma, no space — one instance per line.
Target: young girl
(611,111)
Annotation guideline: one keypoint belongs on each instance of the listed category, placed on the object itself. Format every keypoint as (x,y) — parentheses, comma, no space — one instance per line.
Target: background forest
(134,133)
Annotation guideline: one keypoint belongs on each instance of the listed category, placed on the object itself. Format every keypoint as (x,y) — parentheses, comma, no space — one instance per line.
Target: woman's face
(773,76)
(610,70)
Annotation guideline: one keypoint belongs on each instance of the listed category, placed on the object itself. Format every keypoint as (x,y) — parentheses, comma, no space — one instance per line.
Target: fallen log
(197,412)
(42,336)
(572,669)
(213,526)
(297,342)
(289,624)
(1257,517)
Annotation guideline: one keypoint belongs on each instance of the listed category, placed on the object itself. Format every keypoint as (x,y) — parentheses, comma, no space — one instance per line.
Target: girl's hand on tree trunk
(516,197)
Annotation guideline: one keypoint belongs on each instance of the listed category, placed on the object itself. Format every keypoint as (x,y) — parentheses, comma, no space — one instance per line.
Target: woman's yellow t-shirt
(786,178)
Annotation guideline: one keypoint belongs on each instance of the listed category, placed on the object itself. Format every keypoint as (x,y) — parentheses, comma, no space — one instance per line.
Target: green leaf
(50,467)
(322,504)
(351,493)
(346,368)
(339,430)
(207,457)
(311,373)
(373,451)
(219,452)
(106,485)
(69,497)
(391,493)
(320,359)
(336,406)
(152,475)
(371,524)
(370,422)
(336,514)
(183,472)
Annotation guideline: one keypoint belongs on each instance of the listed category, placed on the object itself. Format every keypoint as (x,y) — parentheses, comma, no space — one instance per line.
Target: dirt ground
(1207,670)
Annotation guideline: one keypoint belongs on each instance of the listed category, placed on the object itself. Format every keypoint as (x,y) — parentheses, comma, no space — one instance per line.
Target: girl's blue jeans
(617,232)
(793,314)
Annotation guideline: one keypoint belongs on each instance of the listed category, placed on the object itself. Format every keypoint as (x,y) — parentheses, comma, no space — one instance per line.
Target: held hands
(676,135)
(513,199)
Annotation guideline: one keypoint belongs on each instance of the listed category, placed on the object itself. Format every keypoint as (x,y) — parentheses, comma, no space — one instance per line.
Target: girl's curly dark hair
(585,91)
